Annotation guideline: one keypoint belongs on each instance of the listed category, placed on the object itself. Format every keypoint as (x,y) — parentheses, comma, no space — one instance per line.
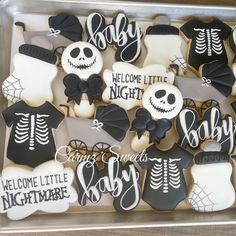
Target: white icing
(126,83)
(82,64)
(30,81)
(84,109)
(110,183)
(212,189)
(167,105)
(140,144)
(164,50)
(116,33)
(222,134)
(234,69)
(46,188)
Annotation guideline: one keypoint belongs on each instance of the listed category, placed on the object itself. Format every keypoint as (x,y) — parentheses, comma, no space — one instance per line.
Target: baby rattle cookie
(126,83)
(31,140)
(212,189)
(125,36)
(206,41)
(121,181)
(47,188)
(34,71)
(163,44)
(165,185)
(83,62)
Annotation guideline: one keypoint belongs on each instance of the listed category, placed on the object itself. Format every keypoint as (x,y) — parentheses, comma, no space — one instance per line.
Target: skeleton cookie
(212,189)
(82,61)
(34,71)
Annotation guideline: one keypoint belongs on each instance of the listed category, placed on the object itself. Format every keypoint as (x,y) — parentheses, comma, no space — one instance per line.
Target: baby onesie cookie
(206,41)
(219,75)
(83,62)
(165,185)
(34,70)
(126,83)
(192,130)
(31,140)
(125,36)
(212,189)
(162,100)
(163,44)
(47,188)
(121,181)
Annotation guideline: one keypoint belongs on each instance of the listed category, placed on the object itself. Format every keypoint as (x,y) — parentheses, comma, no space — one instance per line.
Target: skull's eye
(75,52)
(160,93)
(88,52)
(171,98)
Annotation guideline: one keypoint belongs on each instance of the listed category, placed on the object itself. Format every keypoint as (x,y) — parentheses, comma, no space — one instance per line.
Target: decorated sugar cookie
(121,181)
(165,185)
(47,188)
(192,130)
(31,140)
(206,41)
(163,44)
(232,41)
(212,189)
(34,71)
(162,100)
(83,62)
(63,29)
(125,36)
(126,83)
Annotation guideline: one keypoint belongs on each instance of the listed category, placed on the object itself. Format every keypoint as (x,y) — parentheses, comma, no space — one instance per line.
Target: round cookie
(212,189)
(47,188)
(82,59)
(34,71)
(205,41)
(162,100)
(125,36)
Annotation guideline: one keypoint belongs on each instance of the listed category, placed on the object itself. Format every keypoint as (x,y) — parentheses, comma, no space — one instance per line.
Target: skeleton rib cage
(208,40)
(165,173)
(32,128)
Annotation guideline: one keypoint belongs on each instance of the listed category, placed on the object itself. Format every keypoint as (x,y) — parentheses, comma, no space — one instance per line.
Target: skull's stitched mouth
(160,109)
(82,66)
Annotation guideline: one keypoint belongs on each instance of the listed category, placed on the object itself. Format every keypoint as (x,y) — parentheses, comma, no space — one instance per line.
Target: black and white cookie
(165,185)
(206,41)
(125,36)
(31,140)
(34,71)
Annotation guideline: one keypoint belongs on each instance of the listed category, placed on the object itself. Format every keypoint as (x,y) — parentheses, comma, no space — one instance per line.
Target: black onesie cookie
(31,140)
(165,185)
(206,41)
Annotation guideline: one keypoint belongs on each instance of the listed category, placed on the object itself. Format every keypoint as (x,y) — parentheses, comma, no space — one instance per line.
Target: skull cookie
(82,59)
(162,100)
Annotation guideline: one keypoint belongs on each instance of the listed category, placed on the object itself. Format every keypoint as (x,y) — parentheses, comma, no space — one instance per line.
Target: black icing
(233,105)
(211,157)
(143,122)
(232,44)
(115,120)
(75,87)
(38,53)
(25,121)
(162,30)
(165,185)
(201,48)
(69,26)
(220,75)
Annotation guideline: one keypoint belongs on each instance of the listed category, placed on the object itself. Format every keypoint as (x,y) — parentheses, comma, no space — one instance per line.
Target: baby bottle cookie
(206,41)
(83,62)
(34,71)
(212,189)
(163,44)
